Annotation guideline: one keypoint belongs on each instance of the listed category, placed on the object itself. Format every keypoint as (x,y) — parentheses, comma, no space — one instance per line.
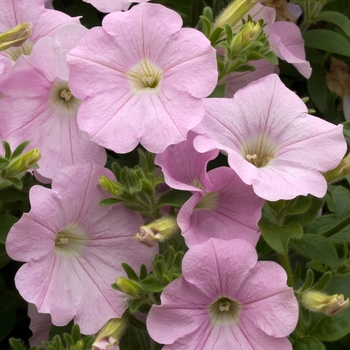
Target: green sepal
(109,201)
(19,149)
(16,182)
(130,272)
(3,163)
(151,285)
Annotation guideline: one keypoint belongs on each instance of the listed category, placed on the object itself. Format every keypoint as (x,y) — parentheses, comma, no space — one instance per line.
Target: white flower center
(71,240)
(61,97)
(145,76)
(224,311)
(209,201)
(259,150)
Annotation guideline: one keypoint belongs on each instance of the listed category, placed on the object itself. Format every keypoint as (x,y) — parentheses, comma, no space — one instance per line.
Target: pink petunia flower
(38,106)
(73,249)
(112,5)
(225,300)
(230,209)
(222,206)
(142,79)
(45,22)
(271,141)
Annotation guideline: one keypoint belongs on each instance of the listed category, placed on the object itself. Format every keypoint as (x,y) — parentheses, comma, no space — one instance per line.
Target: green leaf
(135,339)
(316,247)
(318,89)
(219,91)
(346,129)
(12,194)
(6,222)
(7,149)
(8,316)
(135,304)
(341,197)
(330,328)
(174,198)
(327,40)
(277,237)
(336,18)
(16,182)
(308,343)
(16,344)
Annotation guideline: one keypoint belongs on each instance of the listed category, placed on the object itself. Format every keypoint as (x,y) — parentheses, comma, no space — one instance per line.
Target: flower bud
(247,35)
(15,36)
(330,305)
(339,172)
(110,186)
(234,13)
(110,334)
(157,231)
(129,287)
(23,163)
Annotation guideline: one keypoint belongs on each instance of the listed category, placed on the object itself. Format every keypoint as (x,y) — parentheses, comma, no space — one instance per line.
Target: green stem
(311,10)
(286,266)
(337,228)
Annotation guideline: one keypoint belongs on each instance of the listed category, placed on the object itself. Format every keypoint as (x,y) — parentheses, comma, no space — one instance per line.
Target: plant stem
(337,227)
(286,266)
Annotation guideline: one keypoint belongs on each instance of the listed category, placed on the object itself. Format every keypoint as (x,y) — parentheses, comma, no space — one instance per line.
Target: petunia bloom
(38,106)
(225,300)
(73,249)
(222,206)
(142,79)
(271,141)
(44,22)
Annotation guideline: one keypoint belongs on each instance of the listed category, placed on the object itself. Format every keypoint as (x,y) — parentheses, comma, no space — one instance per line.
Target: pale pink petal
(287,43)
(183,167)
(40,325)
(112,5)
(235,215)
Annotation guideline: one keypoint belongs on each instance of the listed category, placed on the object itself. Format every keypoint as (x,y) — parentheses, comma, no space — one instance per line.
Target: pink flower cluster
(141,78)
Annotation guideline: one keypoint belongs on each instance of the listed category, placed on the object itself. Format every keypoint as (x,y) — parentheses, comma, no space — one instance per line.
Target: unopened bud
(330,305)
(129,287)
(110,334)
(23,163)
(234,13)
(157,231)
(339,172)
(110,186)
(15,36)
(250,31)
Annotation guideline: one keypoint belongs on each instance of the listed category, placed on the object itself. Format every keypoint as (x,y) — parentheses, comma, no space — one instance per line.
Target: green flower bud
(110,186)
(234,13)
(248,34)
(15,36)
(129,287)
(157,231)
(330,305)
(23,163)
(111,333)
(339,172)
